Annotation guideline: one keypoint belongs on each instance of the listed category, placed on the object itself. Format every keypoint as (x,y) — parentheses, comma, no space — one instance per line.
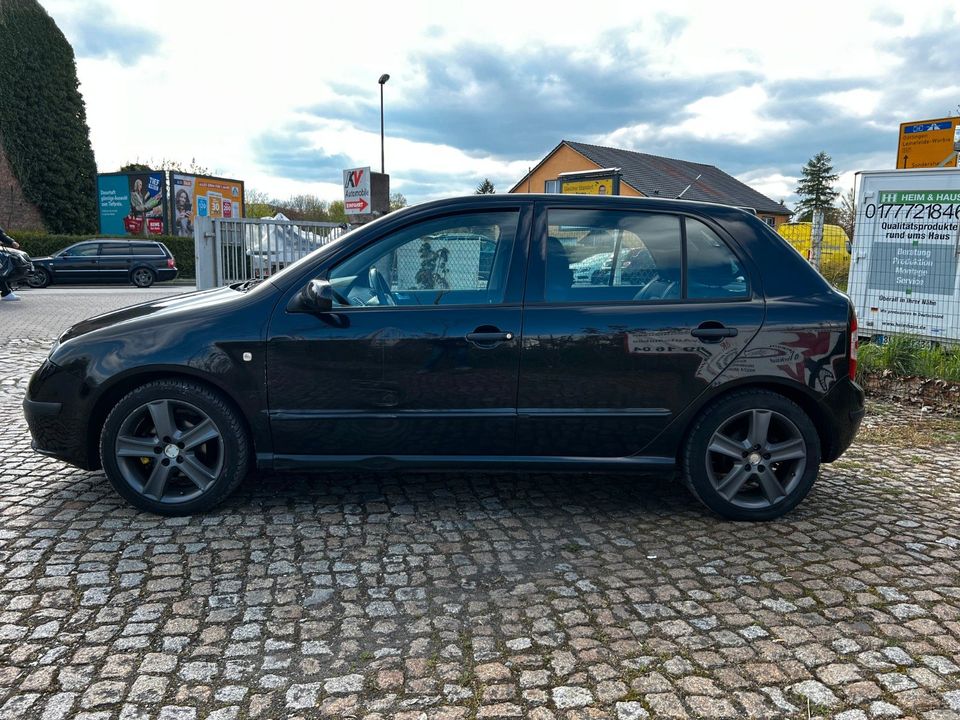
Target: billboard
(602,186)
(590,182)
(927,143)
(905,271)
(132,203)
(193,196)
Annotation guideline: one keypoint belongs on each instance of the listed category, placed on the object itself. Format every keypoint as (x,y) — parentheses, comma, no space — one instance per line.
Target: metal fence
(237,250)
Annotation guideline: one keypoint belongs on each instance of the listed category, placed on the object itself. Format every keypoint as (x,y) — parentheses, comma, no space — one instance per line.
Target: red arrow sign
(358,204)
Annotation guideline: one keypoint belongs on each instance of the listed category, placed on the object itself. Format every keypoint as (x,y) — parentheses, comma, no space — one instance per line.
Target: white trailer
(904,265)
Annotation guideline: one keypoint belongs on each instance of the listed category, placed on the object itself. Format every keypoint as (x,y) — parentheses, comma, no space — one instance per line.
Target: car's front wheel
(753,455)
(39,278)
(143,277)
(174,447)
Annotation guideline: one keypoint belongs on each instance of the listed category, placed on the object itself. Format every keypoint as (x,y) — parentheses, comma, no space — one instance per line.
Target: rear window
(151,249)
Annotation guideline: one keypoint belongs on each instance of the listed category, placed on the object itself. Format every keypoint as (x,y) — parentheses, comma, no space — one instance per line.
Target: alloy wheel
(169,451)
(756,459)
(143,277)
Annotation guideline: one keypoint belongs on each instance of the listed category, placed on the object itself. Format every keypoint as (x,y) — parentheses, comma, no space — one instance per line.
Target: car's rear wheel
(143,277)
(174,447)
(753,455)
(39,278)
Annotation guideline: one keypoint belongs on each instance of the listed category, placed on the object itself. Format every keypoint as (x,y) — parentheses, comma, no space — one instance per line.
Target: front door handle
(713,332)
(489,337)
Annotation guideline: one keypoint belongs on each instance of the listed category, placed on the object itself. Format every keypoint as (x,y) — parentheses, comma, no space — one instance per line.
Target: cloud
(96,32)
(290,153)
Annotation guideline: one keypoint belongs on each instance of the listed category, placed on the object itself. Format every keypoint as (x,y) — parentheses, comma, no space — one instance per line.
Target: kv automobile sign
(356,191)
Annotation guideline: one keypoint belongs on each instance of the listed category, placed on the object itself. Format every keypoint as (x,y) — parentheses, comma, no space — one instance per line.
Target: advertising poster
(132,203)
(927,144)
(904,278)
(597,186)
(194,196)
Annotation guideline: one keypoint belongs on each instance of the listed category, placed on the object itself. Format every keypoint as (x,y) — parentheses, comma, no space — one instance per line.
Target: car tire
(174,447)
(752,455)
(143,277)
(39,278)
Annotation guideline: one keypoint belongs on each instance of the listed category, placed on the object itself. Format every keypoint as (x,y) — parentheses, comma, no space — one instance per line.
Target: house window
(551,186)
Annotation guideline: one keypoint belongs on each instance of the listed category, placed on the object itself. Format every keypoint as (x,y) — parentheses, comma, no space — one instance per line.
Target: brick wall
(16,213)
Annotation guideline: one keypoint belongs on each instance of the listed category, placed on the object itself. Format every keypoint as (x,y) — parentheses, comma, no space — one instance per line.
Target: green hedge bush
(37,244)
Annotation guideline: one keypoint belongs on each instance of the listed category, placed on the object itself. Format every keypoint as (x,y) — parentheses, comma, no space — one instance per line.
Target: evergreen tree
(485,188)
(816,188)
(43,122)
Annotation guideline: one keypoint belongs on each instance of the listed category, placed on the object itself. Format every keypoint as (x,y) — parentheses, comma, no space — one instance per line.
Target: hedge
(43,122)
(37,244)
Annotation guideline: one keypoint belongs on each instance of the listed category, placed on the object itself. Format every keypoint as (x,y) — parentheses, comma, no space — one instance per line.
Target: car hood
(155,312)
(43,258)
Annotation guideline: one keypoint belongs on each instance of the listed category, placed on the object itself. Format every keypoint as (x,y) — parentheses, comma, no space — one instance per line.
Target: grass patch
(905,356)
(921,433)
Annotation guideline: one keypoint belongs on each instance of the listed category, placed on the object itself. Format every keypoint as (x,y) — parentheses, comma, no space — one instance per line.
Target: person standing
(6,292)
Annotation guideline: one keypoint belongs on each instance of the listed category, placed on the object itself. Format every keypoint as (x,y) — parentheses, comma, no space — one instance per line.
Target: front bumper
(57,412)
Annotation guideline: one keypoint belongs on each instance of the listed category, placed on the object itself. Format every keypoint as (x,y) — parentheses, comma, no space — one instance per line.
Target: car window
(114,249)
(713,271)
(455,260)
(608,255)
(85,250)
(147,249)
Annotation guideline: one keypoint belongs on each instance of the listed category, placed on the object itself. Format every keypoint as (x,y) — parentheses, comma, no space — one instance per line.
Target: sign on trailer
(356,191)
(904,267)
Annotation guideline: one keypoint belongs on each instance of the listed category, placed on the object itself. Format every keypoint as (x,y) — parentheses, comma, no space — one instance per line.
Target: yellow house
(645,175)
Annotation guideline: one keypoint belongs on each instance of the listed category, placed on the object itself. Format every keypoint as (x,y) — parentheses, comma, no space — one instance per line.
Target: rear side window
(148,250)
(604,255)
(618,256)
(113,249)
(713,271)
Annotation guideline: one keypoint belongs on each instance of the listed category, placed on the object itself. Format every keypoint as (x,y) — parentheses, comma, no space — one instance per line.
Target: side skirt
(524,463)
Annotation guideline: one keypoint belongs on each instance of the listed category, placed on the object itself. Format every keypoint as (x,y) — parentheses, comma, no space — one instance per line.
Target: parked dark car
(141,262)
(395,347)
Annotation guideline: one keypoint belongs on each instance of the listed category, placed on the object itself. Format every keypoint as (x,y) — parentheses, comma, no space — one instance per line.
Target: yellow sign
(927,143)
(599,186)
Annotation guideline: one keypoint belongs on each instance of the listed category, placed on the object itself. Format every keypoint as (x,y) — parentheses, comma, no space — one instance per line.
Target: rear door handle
(713,334)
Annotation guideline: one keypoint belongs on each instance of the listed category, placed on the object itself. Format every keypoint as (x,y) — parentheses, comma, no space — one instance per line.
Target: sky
(284,95)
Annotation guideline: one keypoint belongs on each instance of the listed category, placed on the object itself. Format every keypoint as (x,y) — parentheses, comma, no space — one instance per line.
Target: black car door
(77,263)
(628,317)
(114,261)
(420,353)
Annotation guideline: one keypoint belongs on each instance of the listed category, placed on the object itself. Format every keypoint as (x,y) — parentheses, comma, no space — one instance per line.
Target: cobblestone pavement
(464,595)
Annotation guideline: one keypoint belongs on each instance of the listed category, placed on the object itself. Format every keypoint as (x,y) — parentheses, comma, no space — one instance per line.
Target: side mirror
(315,297)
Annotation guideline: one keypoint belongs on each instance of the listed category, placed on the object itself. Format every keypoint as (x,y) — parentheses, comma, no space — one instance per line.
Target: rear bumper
(167,274)
(844,407)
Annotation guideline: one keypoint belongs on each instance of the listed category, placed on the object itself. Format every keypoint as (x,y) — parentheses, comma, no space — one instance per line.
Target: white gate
(228,251)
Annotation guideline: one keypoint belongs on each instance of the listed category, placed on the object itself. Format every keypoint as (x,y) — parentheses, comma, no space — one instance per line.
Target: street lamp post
(383,81)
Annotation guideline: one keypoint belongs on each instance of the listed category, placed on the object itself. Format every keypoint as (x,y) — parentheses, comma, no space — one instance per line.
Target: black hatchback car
(141,262)
(454,335)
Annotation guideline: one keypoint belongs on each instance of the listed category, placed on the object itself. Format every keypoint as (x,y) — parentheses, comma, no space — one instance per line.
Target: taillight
(854,344)
(170,262)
